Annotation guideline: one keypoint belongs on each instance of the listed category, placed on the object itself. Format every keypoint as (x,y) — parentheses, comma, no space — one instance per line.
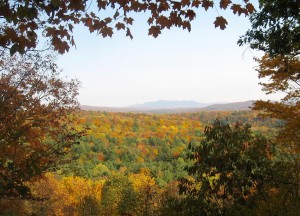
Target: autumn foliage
(35,126)
(21,21)
(130,163)
(284,76)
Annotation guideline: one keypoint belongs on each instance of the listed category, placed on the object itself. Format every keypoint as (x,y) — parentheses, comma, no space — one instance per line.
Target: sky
(205,65)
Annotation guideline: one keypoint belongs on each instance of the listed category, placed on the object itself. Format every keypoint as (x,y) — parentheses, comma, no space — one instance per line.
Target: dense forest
(130,142)
(140,164)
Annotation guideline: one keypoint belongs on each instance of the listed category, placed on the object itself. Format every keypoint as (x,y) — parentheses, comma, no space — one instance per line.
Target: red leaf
(106,31)
(224,3)
(190,14)
(250,8)
(128,20)
(220,22)
(120,26)
(185,3)
(101,4)
(154,31)
(207,4)
(236,9)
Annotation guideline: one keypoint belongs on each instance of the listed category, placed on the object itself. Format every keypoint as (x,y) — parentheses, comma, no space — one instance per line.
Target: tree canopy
(35,125)
(234,172)
(229,169)
(276,31)
(275,28)
(284,76)
(24,23)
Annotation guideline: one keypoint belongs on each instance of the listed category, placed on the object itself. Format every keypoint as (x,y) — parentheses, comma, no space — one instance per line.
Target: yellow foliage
(65,196)
(140,160)
(141,182)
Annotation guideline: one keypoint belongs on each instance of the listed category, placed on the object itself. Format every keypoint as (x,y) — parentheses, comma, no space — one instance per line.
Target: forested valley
(140,164)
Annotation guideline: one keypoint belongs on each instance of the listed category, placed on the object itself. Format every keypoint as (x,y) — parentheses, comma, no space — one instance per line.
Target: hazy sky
(205,65)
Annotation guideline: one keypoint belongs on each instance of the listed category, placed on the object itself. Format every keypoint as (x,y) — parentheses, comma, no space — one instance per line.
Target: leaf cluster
(22,21)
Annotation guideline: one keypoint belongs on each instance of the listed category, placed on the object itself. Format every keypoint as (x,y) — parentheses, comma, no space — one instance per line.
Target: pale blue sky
(205,65)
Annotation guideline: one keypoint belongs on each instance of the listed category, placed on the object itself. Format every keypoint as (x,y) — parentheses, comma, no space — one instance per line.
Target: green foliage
(230,171)
(118,196)
(275,28)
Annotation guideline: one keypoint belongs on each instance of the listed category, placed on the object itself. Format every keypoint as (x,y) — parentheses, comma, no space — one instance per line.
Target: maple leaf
(99,24)
(185,3)
(236,8)
(32,25)
(22,28)
(152,7)
(150,20)
(154,31)
(176,6)
(120,26)
(207,4)
(163,6)
(196,3)
(128,20)
(220,22)
(163,21)
(224,3)
(250,8)
(106,31)
(63,47)
(101,4)
(187,25)
(88,22)
(190,14)
(107,20)
(74,4)
(174,18)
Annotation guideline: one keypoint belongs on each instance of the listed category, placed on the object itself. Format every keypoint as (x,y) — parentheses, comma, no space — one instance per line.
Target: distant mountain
(168,104)
(163,106)
(246,105)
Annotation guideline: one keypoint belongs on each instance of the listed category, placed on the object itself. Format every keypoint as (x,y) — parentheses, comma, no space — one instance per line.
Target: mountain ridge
(245,105)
